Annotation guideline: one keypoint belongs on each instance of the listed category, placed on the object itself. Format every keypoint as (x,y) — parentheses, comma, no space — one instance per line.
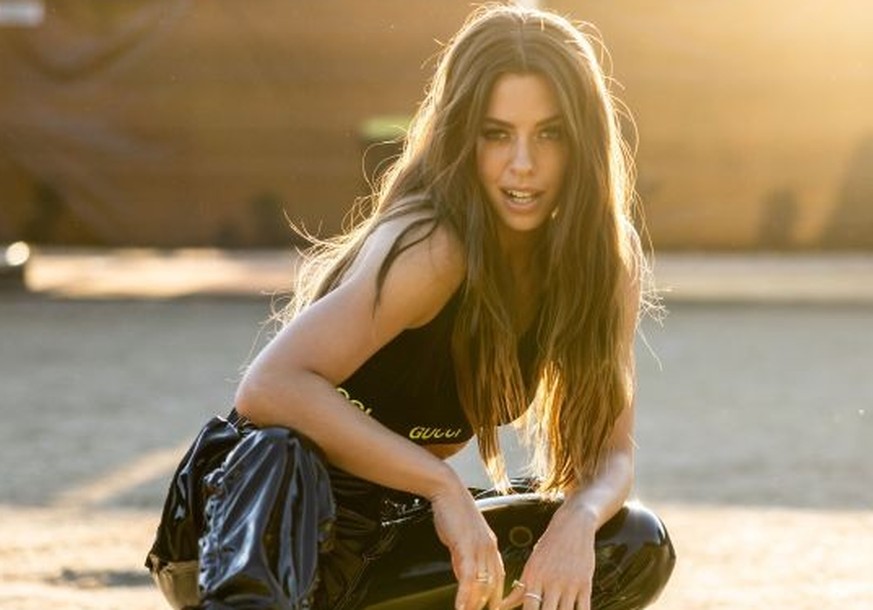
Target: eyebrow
(552,119)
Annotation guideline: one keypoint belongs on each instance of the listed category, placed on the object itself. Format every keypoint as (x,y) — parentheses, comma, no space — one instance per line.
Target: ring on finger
(518,583)
(538,598)
(483,577)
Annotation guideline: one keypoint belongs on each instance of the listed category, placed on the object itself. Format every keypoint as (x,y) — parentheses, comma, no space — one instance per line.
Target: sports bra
(409,385)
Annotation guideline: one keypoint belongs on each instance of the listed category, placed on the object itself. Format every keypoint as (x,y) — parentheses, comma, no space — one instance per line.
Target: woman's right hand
(476,558)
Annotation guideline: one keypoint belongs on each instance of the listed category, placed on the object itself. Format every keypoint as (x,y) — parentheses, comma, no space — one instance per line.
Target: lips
(521,197)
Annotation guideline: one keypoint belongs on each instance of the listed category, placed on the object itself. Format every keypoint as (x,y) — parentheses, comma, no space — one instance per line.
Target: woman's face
(521,152)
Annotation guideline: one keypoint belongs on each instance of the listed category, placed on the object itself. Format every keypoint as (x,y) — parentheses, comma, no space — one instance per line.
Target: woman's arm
(292,383)
(561,567)
(566,583)
(596,502)
(602,497)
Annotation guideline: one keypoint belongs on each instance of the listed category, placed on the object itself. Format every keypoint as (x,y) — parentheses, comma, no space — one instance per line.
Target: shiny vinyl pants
(254,519)
(412,569)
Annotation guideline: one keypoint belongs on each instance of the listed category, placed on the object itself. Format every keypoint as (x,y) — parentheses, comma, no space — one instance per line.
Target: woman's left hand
(559,572)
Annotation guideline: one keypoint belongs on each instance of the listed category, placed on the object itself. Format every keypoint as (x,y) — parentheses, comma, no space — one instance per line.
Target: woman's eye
(494,134)
(551,133)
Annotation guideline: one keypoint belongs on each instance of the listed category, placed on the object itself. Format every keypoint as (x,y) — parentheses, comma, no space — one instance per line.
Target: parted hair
(588,254)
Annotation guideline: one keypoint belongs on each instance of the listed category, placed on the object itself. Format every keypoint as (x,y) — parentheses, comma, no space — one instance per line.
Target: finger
(496,584)
(462,595)
(533,599)
(465,572)
(568,602)
(583,597)
(513,600)
(515,597)
(551,598)
(481,581)
(583,602)
(471,595)
(532,596)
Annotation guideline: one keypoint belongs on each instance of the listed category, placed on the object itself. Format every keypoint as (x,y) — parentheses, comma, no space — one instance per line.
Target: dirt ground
(730,558)
(754,429)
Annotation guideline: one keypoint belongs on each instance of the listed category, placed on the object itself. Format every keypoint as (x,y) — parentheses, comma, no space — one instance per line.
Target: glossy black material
(254,519)
(268,516)
(634,556)
(173,558)
(258,504)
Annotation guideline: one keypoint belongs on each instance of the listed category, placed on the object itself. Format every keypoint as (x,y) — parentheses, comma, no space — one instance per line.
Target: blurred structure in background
(754,118)
(13,262)
(175,123)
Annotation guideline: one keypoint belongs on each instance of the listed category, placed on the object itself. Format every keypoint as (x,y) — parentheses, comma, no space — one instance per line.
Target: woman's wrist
(582,513)
(444,481)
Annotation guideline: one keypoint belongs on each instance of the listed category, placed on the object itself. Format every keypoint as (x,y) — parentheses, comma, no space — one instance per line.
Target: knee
(635,556)
(635,526)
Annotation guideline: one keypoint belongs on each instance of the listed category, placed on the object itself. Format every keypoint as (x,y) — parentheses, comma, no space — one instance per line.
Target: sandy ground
(754,432)
(730,558)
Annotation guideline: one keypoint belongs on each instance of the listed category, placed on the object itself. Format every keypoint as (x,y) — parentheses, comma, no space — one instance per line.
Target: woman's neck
(520,249)
(525,276)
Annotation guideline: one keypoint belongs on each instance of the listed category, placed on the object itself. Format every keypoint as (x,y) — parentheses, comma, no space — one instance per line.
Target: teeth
(526,195)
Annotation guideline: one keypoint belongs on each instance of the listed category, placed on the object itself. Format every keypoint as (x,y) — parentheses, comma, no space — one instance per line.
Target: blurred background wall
(174,123)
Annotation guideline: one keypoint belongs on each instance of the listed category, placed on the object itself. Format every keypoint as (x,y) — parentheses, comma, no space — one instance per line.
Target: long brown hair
(588,250)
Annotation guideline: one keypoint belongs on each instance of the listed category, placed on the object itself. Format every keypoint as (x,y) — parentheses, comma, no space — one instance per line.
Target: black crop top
(409,384)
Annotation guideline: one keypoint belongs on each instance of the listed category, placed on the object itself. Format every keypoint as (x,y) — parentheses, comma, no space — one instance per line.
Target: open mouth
(521,197)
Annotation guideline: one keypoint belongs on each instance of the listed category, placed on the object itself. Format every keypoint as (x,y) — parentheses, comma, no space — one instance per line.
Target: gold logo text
(357,403)
(425,433)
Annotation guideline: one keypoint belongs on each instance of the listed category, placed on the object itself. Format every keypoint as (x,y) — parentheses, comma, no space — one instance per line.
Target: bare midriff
(445,451)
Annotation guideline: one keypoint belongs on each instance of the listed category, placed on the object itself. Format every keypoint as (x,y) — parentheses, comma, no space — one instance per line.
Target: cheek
(480,162)
(559,164)
(487,164)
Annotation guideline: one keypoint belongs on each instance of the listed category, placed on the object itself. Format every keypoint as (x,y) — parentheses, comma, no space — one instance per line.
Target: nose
(522,161)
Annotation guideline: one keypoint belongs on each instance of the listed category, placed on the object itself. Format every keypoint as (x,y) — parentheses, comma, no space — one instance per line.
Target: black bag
(239,489)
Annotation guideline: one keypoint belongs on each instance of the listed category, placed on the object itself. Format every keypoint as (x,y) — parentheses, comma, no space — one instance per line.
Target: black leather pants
(255,520)
(401,564)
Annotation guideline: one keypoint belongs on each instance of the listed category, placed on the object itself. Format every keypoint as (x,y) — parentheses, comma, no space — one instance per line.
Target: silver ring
(518,583)
(483,577)
(539,598)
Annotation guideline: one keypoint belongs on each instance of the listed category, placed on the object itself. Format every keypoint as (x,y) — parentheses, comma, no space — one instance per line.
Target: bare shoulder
(338,332)
(435,245)
(423,276)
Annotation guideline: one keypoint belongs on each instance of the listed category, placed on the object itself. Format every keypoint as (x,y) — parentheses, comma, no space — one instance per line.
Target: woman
(498,279)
